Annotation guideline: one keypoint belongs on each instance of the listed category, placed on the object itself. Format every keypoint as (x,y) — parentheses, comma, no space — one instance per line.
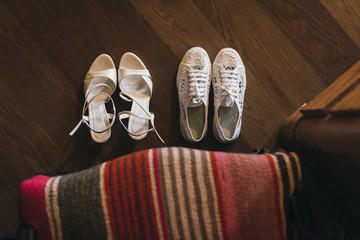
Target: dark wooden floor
(291,49)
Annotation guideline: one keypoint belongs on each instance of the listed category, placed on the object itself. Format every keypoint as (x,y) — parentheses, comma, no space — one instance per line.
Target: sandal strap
(126,114)
(108,73)
(97,85)
(124,96)
(127,97)
(127,72)
(144,73)
(85,119)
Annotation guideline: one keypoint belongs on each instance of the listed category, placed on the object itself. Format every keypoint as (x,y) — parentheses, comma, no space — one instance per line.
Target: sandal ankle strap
(126,114)
(85,119)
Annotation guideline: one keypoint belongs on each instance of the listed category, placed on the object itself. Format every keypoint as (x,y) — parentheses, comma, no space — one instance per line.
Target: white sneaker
(193,83)
(229,84)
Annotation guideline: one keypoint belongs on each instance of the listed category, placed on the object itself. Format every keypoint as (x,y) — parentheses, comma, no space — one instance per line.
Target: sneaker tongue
(194,103)
(227,101)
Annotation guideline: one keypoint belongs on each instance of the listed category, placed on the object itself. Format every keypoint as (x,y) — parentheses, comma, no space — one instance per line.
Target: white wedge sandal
(100,84)
(136,86)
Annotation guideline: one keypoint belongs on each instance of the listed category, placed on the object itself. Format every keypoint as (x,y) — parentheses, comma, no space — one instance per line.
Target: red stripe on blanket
(108,192)
(119,220)
(140,158)
(277,197)
(228,188)
(217,182)
(132,197)
(123,169)
(33,207)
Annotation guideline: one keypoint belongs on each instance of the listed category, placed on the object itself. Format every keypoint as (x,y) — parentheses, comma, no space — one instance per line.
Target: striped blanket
(166,193)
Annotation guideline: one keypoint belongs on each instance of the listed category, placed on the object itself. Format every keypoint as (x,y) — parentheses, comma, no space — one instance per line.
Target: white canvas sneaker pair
(193,84)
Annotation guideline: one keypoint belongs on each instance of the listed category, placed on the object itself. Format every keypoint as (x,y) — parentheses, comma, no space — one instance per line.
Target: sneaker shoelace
(197,84)
(229,83)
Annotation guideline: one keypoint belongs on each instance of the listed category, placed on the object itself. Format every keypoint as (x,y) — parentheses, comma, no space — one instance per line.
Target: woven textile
(166,193)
